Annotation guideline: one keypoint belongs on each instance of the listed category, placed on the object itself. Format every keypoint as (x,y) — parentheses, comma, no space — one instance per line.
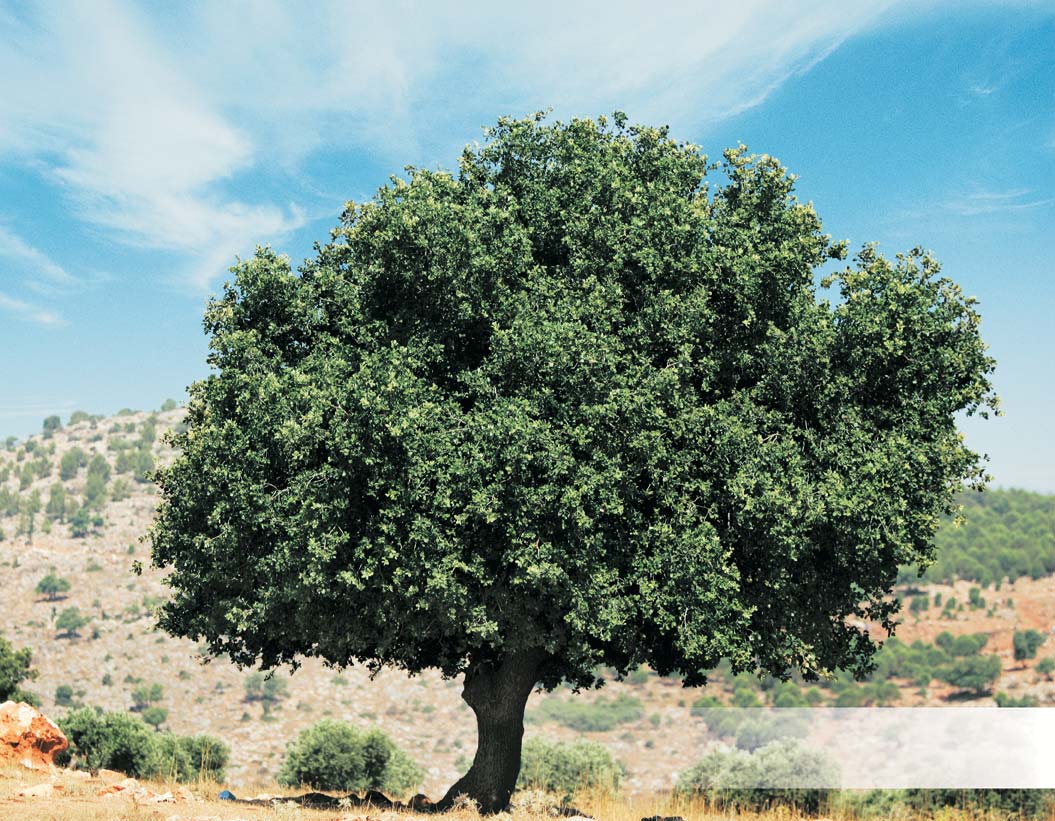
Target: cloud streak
(27,311)
(165,131)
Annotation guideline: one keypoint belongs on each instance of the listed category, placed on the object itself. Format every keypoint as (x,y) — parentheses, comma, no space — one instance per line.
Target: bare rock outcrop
(27,736)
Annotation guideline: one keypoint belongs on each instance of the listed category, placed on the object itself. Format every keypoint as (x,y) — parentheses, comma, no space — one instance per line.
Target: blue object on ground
(227,795)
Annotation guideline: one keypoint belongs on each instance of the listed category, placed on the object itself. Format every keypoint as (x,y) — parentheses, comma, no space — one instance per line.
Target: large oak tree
(568,407)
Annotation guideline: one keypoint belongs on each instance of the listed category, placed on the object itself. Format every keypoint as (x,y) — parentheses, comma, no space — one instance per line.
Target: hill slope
(89,533)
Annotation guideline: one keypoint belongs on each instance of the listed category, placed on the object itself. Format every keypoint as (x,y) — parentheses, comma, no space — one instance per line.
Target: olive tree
(568,407)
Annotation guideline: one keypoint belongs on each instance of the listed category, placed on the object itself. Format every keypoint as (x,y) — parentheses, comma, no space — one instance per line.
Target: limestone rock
(27,736)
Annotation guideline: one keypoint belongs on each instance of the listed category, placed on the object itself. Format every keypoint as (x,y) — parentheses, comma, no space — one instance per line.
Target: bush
(1026,643)
(115,741)
(596,716)
(14,669)
(56,507)
(972,673)
(145,695)
(1046,666)
(72,461)
(208,756)
(966,645)
(1005,700)
(123,742)
(332,755)
(567,768)
(1005,803)
(737,780)
(64,695)
(51,424)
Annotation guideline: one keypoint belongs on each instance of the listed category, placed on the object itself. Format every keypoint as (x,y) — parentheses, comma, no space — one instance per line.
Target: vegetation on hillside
(1003,534)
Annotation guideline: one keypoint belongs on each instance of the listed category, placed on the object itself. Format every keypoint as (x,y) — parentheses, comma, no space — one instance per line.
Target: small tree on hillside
(1026,643)
(570,407)
(56,508)
(51,425)
(69,622)
(973,674)
(72,461)
(52,586)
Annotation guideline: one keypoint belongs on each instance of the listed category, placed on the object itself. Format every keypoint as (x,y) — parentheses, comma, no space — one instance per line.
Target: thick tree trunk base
(497,695)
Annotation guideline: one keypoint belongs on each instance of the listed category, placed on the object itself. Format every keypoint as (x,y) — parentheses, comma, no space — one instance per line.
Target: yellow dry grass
(76,799)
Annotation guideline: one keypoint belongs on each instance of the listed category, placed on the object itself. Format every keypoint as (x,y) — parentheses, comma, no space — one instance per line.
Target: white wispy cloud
(160,128)
(13,247)
(28,311)
(980,203)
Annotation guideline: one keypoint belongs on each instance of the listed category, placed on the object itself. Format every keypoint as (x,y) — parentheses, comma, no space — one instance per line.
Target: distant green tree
(14,669)
(69,622)
(52,586)
(142,465)
(30,506)
(1026,643)
(968,644)
(51,425)
(120,490)
(155,716)
(972,673)
(145,695)
(1046,666)
(64,695)
(168,405)
(98,466)
(56,509)
(80,416)
(72,461)
(94,492)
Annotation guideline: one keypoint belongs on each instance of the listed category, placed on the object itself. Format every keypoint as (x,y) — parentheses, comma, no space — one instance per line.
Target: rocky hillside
(75,503)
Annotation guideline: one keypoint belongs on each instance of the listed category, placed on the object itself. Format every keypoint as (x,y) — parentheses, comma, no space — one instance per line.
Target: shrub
(64,695)
(332,755)
(115,741)
(168,405)
(972,673)
(145,695)
(72,461)
(51,424)
(1026,643)
(1005,700)
(119,741)
(14,669)
(567,768)
(208,756)
(56,507)
(120,490)
(704,704)
(760,780)
(596,716)
(99,467)
(964,645)
(1046,666)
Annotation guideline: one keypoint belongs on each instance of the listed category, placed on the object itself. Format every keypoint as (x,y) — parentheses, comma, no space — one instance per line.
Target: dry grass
(77,799)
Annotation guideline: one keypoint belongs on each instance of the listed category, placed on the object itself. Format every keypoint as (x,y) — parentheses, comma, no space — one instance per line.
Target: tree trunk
(497,695)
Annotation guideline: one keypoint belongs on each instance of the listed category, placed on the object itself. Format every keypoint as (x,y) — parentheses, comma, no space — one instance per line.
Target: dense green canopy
(569,401)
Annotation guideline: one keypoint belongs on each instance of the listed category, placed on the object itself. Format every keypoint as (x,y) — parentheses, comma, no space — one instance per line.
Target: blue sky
(144,146)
